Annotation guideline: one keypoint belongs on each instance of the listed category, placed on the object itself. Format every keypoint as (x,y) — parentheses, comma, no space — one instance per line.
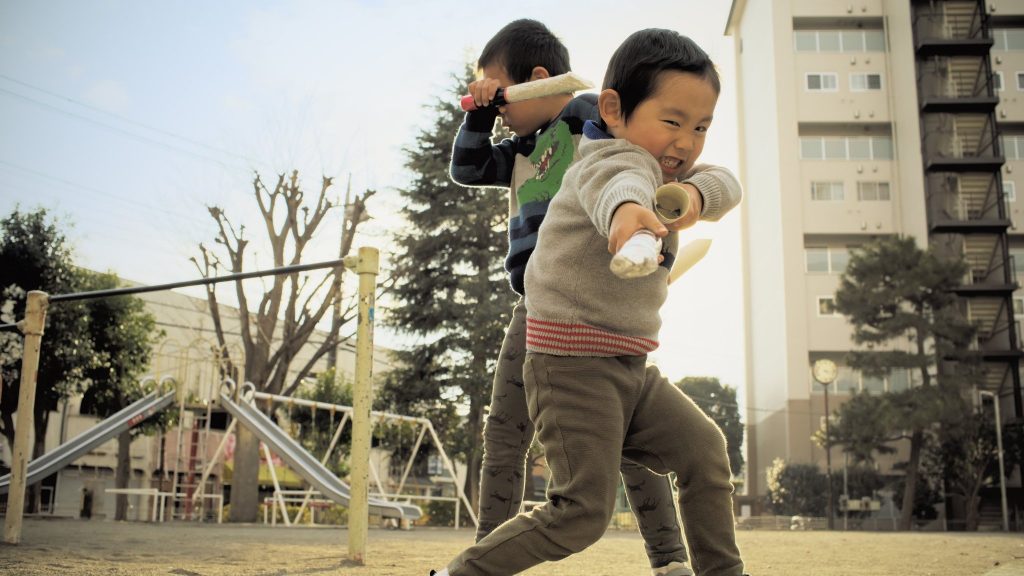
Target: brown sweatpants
(507,437)
(589,413)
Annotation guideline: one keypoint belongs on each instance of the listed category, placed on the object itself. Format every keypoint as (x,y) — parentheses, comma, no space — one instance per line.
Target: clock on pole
(825,371)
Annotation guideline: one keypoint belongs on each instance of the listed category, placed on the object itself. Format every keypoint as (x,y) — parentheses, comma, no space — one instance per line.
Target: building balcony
(996,281)
(941,33)
(956,85)
(961,143)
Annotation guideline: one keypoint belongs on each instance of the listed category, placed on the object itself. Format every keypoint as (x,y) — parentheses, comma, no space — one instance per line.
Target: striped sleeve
(477,162)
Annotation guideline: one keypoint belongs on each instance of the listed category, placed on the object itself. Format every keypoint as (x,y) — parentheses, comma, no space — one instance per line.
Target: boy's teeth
(670,162)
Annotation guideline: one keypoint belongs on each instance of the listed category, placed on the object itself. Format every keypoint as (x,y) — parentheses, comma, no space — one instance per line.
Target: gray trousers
(508,433)
(589,414)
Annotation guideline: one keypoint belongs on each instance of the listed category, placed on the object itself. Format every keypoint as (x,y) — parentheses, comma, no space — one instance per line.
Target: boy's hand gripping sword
(562,84)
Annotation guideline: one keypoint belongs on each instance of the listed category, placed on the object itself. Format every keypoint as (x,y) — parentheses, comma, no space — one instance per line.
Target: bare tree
(287,313)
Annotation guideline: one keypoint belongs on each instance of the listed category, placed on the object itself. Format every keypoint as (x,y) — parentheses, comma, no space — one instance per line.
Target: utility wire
(127,120)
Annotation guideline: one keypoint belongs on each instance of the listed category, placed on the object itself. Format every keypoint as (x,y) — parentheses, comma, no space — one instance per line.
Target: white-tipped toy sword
(562,84)
(687,257)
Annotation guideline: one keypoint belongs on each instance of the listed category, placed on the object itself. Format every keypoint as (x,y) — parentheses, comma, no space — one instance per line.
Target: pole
(367,266)
(828,465)
(846,489)
(35,318)
(1002,471)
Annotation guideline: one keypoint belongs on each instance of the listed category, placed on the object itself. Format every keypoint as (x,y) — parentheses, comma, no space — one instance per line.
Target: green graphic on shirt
(551,157)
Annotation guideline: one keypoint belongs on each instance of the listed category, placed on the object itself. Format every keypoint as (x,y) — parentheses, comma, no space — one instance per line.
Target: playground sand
(94,547)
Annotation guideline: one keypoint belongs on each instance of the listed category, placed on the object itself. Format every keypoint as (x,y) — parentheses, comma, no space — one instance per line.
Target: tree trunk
(972,516)
(474,420)
(910,487)
(123,473)
(34,496)
(245,489)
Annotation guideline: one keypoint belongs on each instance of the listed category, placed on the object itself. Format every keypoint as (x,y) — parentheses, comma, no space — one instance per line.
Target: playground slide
(67,452)
(305,464)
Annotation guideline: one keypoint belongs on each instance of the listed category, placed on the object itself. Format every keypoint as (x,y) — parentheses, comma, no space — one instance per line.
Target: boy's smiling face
(671,123)
(521,118)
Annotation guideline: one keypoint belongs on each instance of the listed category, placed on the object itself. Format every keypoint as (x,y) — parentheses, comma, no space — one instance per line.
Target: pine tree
(893,292)
(451,293)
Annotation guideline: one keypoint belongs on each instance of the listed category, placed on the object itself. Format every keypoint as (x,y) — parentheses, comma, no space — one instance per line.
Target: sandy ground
(69,547)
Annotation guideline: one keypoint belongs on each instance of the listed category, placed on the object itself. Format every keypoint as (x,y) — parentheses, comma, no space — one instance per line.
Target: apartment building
(859,119)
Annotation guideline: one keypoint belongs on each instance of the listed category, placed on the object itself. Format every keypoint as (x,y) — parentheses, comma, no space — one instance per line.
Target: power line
(161,211)
(127,120)
(116,129)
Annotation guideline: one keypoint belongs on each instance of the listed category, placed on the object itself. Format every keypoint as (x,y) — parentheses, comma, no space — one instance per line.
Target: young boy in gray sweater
(591,396)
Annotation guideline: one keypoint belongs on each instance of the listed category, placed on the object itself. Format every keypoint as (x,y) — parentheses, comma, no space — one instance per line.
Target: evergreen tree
(892,293)
(718,401)
(450,292)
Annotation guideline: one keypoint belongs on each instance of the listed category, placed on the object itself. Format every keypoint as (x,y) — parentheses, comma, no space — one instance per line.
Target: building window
(850,381)
(845,148)
(827,191)
(899,380)
(873,191)
(847,380)
(1009,191)
(822,82)
(1008,39)
(1020,80)
(1017,255)
(872,384)
(827,306)
(860,82)
(823,259)
(997,81)
(1013,147)
(839,41)
(1018,307)
(817,259)
(435,466)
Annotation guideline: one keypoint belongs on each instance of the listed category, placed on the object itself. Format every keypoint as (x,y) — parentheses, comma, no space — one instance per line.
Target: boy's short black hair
(634,68)
(523,45)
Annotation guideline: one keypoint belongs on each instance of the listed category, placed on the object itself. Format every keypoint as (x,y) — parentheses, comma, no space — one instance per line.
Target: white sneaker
(638,257)
(673,569)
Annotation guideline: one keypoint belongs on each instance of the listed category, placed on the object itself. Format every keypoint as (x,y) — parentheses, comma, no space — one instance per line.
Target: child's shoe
(673,569)
(638,256)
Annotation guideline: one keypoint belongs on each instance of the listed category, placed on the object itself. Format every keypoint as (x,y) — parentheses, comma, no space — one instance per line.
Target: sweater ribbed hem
(574,339)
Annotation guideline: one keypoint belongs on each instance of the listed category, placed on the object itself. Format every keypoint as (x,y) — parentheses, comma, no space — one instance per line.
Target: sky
(128,119)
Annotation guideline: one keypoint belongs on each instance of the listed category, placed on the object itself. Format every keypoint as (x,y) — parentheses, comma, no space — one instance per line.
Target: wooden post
(367,266)
(32,326)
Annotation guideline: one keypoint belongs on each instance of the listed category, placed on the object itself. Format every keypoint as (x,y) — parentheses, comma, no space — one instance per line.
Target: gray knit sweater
(575,305)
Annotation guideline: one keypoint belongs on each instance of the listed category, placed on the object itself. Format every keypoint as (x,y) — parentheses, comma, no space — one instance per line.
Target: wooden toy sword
(562,84)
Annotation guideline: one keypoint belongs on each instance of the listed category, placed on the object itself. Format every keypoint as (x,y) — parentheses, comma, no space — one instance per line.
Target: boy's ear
(609,105)
(539,73)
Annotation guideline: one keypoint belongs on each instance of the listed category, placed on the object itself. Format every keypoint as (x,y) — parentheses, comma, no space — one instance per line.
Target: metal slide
(303,463)
(67,452)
